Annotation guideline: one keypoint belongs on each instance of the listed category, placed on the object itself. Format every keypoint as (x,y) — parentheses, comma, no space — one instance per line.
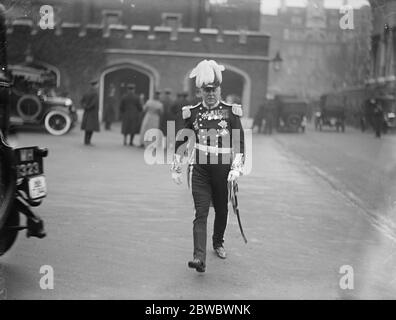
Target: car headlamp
(68,102)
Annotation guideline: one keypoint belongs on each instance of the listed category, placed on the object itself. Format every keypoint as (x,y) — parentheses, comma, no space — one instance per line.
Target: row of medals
(217,116)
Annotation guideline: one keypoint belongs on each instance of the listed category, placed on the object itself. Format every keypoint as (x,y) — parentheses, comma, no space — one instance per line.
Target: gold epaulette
(237,109)
(186,111)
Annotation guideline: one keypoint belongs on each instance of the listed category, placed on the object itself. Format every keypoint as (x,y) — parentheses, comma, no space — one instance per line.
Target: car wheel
(57,122)
(9,233)
(29,107)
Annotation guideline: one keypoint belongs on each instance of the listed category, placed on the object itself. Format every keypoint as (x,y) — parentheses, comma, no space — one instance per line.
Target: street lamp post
(277,62)
(277,65)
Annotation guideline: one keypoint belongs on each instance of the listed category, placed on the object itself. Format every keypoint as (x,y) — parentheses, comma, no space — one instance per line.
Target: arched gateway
(118,76)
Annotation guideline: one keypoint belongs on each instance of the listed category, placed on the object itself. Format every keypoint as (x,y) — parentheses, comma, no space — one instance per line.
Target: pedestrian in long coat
(130,108)
(153,109)
(90,120)
(378,117)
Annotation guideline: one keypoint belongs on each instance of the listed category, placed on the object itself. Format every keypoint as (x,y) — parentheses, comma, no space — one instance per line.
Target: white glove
(177,178)
(236,168)
(176,169)
(233,175)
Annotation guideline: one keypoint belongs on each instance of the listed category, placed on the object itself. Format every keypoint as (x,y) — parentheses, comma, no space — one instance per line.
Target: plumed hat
(207,73)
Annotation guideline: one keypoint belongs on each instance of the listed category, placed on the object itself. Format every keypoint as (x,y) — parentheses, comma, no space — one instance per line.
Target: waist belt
(212,149)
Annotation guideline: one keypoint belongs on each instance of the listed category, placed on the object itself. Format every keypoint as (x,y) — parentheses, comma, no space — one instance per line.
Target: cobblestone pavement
(120,229)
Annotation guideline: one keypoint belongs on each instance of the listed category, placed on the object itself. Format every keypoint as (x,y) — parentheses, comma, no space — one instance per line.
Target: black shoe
(220,252)
(197,265)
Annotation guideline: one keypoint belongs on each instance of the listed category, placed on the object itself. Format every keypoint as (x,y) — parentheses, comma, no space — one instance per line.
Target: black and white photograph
(211,151)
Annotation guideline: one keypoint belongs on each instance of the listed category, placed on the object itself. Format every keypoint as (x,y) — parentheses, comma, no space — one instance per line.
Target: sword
(232,191)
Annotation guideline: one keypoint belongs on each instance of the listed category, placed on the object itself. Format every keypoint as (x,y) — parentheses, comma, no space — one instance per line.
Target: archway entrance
(118,78)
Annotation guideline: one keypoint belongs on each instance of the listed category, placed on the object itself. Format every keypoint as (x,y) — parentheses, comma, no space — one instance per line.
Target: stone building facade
(154,44)
(383,50)
(318,55)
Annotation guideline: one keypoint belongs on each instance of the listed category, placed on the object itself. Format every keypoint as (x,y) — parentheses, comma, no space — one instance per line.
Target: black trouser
(209,184)
(130,139)
(88,137)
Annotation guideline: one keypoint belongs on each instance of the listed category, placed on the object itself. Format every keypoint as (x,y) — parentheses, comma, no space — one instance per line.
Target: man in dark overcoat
(90,120)
(130,109)
(378,117)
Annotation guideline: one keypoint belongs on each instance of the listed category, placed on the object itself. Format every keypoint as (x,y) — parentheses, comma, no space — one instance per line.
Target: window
(296,20)
(111,17)
(172,20)
(286,34)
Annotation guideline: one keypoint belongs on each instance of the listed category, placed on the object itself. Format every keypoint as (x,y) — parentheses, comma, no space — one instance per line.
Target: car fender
(8,157)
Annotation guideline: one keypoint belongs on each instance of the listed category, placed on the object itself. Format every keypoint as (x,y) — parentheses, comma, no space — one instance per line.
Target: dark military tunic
(90,103)
(215,130)
(218,132)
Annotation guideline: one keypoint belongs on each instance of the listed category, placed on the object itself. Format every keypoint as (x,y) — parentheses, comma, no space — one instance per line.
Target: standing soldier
(215,161)
(130,108)
(90,120)
(378,117)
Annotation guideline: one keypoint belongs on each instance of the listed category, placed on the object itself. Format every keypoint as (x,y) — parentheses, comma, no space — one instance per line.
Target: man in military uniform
(216,159)
(90,120)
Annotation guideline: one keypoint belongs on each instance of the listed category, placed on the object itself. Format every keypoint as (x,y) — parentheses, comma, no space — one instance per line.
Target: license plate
(37,187)
(29,163)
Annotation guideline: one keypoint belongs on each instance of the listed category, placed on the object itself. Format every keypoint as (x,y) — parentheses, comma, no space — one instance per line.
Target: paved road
(359,165)
(120,229)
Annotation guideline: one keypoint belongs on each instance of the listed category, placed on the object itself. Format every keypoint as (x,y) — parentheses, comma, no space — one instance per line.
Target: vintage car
(34,101)
(22,179)
(331,114)
(330,117)
(291,113)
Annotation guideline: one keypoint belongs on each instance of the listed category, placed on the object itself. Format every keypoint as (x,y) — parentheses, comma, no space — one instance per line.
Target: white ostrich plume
(206,72)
